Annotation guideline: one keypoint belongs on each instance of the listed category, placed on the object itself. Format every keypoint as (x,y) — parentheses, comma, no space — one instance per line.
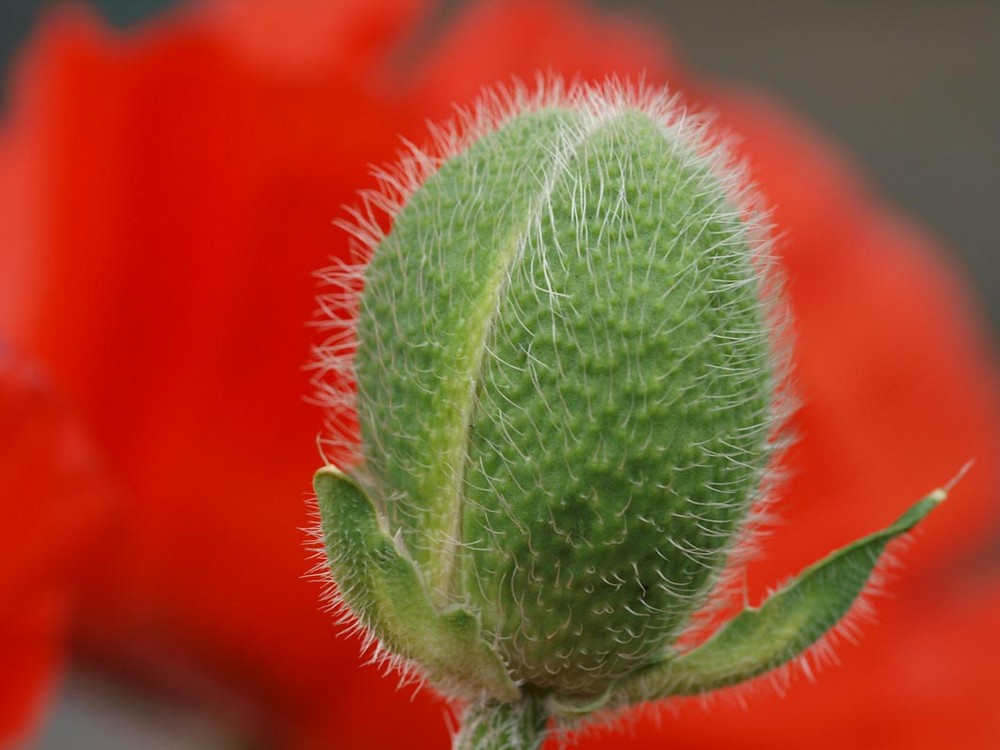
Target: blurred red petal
(52,499)
(188,200)
(311,38)
(493,42)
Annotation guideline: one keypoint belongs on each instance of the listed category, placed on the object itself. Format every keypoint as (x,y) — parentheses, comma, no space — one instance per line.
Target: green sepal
(382,588)
(763,638)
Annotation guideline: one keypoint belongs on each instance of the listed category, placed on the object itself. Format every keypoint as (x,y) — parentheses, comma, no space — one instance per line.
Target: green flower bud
(568,395)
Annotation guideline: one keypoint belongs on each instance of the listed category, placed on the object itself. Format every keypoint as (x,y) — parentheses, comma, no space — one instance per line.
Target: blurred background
(910,87)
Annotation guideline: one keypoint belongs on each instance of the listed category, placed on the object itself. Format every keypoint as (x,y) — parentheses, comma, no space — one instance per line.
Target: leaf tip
(950,485)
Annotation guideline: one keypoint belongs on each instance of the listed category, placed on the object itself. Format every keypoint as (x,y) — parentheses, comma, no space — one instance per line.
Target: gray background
(911,87)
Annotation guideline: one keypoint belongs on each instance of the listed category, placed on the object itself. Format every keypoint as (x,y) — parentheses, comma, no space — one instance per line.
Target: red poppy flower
(166,196)
(52,499)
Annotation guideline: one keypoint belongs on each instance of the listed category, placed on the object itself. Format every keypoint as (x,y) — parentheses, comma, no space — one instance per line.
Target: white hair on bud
(366,224)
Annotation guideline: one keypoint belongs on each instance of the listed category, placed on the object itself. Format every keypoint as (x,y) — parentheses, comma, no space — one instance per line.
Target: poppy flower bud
(568,392)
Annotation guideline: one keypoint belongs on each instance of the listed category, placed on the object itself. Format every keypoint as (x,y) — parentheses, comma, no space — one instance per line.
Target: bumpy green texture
(565,386)
(431,293)
(563,364)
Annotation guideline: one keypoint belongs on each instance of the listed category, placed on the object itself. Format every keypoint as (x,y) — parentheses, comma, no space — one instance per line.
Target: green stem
(521,725)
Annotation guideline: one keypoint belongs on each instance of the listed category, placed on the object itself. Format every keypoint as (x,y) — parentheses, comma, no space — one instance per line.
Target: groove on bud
(569,389)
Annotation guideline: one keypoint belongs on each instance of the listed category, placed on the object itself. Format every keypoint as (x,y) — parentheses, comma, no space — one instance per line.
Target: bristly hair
(366,223)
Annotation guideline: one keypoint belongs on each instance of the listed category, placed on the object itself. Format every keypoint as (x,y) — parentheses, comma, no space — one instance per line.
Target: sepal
(763,638)
(383,590)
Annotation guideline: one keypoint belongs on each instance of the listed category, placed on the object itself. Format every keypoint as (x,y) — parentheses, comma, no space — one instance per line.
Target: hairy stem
(521,725)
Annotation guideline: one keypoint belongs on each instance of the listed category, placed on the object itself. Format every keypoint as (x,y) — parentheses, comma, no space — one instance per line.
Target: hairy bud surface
(568,393)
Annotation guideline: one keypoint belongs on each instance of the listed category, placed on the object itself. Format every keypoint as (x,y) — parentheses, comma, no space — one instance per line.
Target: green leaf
(382,588)
(760,639)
